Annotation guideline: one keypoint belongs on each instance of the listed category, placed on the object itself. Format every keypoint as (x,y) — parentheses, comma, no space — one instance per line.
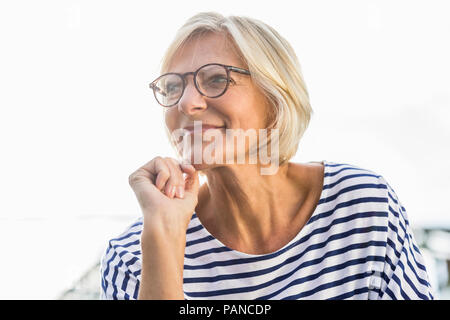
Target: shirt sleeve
(118,281)
(404,276)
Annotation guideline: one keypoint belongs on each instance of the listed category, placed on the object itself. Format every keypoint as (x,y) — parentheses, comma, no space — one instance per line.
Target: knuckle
(172,160)
(164,172)
(133,178)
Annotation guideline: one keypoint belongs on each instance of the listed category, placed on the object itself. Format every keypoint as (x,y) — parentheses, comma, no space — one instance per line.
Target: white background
(77,117)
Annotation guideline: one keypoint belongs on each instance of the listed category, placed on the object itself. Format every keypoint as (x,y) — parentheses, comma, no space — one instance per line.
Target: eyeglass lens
(210,81)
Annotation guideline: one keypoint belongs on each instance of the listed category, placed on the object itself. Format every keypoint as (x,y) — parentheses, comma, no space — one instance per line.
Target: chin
(205,166)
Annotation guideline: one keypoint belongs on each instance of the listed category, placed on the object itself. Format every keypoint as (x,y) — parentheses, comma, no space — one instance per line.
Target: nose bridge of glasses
(185,82)
(196,86)
(185,75)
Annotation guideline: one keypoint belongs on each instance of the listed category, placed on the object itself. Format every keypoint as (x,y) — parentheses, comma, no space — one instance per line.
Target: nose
(191,102)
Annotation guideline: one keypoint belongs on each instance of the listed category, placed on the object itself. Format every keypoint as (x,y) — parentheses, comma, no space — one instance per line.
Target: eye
(219,78)
(171,88)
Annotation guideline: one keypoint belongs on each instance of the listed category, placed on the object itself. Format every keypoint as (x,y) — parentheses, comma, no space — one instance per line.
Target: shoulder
(350,190)
(127,242)
(121,262)
(343,177)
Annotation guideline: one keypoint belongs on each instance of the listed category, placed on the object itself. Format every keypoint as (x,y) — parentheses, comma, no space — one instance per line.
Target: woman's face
(243,106)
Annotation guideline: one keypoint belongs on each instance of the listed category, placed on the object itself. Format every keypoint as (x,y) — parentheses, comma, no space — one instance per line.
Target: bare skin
(277,207)
(245,210)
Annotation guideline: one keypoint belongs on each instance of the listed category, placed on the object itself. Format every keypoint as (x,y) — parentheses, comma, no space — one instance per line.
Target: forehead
(204,49)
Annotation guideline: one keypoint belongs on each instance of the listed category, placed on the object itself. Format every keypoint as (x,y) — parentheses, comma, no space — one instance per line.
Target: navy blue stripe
(131,262)
(389,293)
(136,289)
(125,281)
(399,283)
(397,216)
(411,284)
(350,176)
(337,164)
(346,204)
(126,245)
(408,235)
(412,246)
(128,235)
(392,197)
(204,239)
(207,251)
(402,211)
(114,279)
(106,272)
(400,264)
(350,294)
(408,262)
(194,229)
(331,174)
(388,259)
(395,230)
(352,188)
(328,286)
(402,242)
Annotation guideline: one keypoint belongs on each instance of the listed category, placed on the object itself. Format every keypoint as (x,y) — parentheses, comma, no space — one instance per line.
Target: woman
(319,230)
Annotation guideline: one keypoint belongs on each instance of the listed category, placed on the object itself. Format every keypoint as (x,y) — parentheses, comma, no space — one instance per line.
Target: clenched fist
(166,190)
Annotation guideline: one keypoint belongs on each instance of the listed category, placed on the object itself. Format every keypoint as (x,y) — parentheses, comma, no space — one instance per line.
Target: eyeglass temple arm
(152,86)
(239,70)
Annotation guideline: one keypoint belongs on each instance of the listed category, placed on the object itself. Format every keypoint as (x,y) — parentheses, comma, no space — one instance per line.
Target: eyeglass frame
(183,76)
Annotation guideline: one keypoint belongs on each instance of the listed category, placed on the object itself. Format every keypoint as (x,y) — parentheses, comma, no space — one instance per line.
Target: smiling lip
(204,128)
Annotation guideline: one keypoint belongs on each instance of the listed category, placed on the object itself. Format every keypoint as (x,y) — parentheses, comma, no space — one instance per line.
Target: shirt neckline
(298,236)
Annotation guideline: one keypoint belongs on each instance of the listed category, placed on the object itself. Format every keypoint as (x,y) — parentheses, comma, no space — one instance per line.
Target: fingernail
(172,191)
(180,192)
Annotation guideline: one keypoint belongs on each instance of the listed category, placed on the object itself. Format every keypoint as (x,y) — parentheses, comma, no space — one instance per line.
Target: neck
(246,209)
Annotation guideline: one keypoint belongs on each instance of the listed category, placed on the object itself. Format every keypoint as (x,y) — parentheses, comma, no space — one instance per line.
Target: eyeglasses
(211,80)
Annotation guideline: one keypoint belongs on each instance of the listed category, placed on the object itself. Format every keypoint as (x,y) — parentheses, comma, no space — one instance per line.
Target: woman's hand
(164,193)
(167,200)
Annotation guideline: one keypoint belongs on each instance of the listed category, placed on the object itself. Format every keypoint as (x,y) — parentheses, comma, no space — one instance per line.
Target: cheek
(250,118)
(170,117)
(251,111)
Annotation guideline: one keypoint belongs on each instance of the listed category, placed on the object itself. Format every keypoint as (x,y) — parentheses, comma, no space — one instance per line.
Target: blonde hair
(273,65)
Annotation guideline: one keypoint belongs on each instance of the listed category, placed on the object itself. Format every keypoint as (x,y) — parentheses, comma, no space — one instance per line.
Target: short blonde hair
(273,65)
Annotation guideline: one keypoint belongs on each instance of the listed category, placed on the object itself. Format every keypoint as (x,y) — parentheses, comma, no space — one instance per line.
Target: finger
(175,184)
(159,169)
(187,168)
(192,181)
(139,176)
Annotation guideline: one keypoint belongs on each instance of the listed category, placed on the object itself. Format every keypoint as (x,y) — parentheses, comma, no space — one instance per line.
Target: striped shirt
(357,244)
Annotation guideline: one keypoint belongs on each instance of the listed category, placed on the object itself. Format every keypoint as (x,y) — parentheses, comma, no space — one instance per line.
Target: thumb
(192,181)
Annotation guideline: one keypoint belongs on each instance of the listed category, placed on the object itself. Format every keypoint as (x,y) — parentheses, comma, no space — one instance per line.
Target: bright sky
(77,117)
